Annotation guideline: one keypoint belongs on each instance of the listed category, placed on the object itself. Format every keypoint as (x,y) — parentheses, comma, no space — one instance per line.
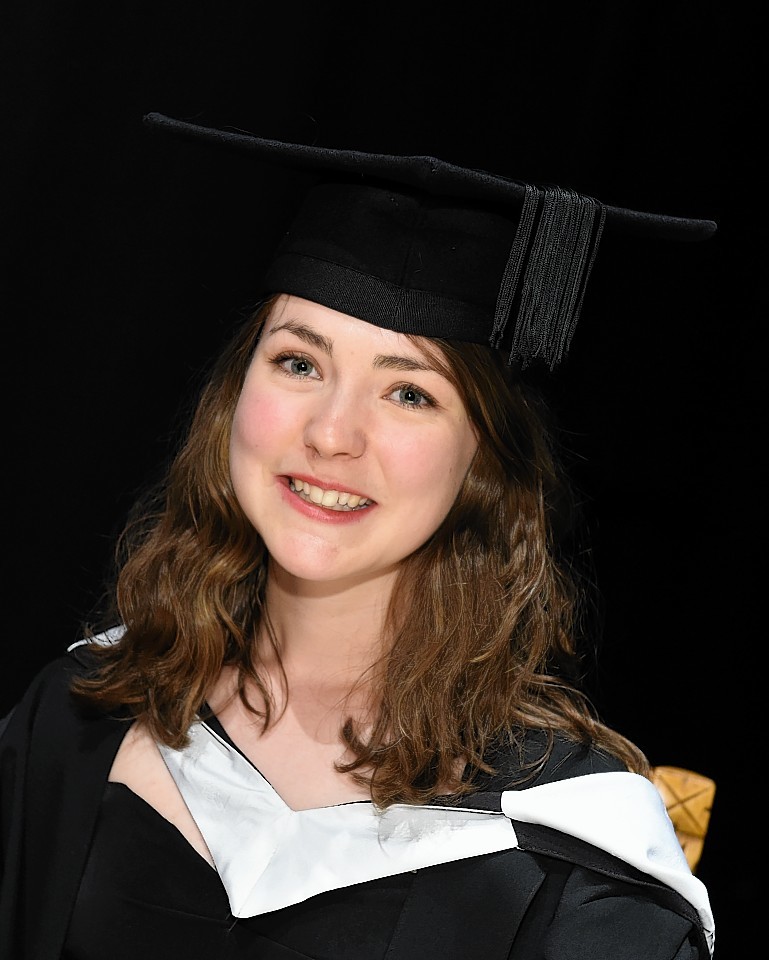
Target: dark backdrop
(127,260)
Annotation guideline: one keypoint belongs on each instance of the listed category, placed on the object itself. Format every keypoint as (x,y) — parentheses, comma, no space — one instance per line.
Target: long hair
(482,627)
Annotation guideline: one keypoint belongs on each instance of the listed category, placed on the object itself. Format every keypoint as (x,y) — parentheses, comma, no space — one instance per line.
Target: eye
(295,365)
(407,395)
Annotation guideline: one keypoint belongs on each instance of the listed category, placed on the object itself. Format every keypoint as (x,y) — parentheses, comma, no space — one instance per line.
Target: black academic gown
(54,762)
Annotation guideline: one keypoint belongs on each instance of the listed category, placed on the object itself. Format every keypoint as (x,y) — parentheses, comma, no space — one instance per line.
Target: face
(348,446)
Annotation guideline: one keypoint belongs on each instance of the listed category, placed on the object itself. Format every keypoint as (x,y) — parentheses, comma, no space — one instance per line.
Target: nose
(335,428)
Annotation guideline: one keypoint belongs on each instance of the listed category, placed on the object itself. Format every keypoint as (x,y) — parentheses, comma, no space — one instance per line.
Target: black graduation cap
(421,246)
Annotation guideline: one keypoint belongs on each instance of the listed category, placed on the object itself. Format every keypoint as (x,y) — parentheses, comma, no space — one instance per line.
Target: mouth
(339,500)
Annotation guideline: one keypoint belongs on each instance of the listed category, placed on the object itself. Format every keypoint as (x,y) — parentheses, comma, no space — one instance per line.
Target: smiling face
(348,445)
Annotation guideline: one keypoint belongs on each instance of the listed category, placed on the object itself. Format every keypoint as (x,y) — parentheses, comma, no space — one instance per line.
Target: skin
(349,413)
(347,406)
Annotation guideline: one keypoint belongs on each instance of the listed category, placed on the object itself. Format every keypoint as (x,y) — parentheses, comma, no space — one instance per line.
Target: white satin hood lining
(622,813)
(269,856)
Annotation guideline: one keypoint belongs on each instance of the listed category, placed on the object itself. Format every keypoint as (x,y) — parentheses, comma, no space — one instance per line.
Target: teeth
(332,499)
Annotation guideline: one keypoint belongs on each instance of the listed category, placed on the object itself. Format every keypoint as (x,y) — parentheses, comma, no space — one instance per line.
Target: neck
(328,634)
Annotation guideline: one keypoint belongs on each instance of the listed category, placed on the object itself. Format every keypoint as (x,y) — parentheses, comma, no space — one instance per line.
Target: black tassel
(514,266)
(546,273)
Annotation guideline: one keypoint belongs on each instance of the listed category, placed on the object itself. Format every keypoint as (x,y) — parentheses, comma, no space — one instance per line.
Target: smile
(331,499)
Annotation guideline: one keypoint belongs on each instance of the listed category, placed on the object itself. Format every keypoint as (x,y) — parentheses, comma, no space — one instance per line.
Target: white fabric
(270,856)
(105,639)
(622,813)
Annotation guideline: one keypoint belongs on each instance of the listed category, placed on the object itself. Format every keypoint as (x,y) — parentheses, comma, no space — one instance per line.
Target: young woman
(334,711)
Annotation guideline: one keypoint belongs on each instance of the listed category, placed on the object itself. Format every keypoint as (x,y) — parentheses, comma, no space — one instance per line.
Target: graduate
(334,710)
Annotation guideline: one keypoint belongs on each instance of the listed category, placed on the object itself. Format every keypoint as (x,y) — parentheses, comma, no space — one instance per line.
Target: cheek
(258,439)
(258,423)
(431,467)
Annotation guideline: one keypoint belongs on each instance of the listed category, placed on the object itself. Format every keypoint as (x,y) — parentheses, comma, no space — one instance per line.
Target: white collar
(271,856)
(622,813)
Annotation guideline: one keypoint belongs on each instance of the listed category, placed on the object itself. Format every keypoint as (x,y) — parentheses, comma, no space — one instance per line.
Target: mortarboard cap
(422,246)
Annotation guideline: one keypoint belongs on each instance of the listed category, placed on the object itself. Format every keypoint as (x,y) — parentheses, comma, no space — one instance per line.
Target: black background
(128,258)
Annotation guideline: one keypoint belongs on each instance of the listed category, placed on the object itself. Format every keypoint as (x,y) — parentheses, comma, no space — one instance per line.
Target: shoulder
(55,758)
(47,702)
(51,746)
(614,825)
(593,904)
(49,681)
(520,766)
(570,759)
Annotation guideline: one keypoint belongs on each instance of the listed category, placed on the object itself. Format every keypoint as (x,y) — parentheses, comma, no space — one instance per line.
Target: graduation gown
(501,875)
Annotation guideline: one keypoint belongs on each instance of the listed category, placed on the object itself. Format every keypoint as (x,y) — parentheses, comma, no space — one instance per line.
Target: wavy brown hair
(481,628)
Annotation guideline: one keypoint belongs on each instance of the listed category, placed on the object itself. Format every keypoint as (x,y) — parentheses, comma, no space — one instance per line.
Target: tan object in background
(688,797)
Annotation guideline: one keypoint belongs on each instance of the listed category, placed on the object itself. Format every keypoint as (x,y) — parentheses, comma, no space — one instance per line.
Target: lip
(316,512)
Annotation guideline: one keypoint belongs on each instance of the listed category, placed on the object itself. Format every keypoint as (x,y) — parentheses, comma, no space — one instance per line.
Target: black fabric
(554,898)
(53,766)
(430,265)
(615,879)
(147,893)
(428,174)
(467,908)
(390,257)
(421,246)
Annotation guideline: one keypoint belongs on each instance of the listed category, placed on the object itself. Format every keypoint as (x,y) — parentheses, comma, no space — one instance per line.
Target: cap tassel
(546,273)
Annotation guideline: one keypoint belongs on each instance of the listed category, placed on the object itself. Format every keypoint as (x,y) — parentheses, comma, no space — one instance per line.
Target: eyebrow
(310,336)
(394,362)
(381,361)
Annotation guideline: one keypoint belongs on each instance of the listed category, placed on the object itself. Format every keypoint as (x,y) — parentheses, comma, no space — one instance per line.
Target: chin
(321,570)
